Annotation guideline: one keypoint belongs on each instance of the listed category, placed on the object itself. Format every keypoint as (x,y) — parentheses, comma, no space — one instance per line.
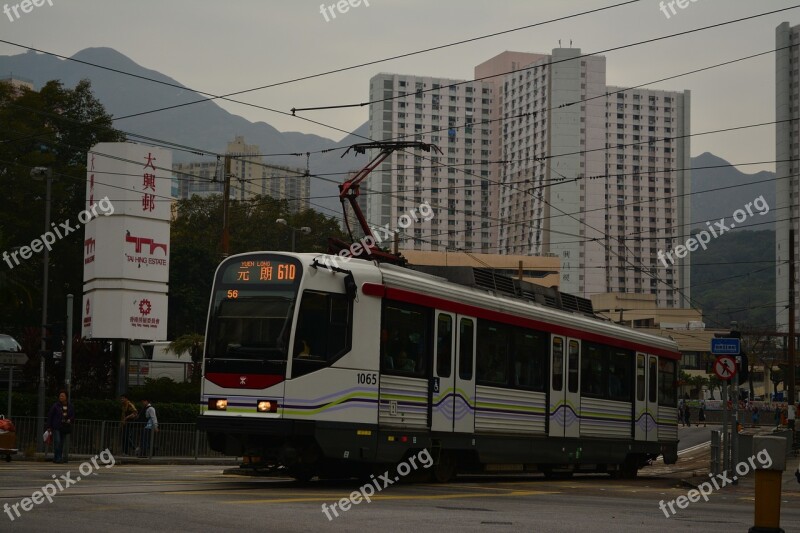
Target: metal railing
(90,437)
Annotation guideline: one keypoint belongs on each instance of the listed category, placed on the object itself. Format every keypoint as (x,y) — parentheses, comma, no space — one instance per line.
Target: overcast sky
(222,47)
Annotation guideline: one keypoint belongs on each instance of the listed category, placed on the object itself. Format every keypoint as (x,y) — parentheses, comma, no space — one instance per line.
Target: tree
(715,383)
(730,289)
(777,377)
(53,128)
(191,343)
(683,380)
(697,383)
(196,235)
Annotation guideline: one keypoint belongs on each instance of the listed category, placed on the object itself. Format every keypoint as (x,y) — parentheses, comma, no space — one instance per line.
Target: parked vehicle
(11,352)
(12,359)
(152,360)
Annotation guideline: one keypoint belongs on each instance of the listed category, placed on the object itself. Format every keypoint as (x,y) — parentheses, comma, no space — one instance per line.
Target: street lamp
(43,174)
(305,229)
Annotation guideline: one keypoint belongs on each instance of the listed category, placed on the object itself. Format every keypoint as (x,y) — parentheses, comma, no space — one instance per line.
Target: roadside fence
(89,437)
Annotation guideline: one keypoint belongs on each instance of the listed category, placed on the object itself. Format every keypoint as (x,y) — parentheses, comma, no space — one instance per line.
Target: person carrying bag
(59,423)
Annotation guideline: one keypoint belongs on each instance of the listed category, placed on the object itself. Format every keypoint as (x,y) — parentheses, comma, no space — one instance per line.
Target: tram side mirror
(350,286)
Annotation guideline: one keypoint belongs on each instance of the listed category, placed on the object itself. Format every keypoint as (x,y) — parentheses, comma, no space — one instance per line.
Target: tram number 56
(368,379)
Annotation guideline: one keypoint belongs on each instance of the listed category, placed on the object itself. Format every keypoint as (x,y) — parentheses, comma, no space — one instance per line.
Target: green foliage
(740,284)
(196,239)
(191,343)
(89,409)
(52,128)
(164,390)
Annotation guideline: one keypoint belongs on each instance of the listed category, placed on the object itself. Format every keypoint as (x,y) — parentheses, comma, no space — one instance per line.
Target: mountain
(209,127)
(744,188)
(204,125)
(735,278)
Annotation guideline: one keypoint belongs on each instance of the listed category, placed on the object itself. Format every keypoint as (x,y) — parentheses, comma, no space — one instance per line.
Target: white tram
(332,371)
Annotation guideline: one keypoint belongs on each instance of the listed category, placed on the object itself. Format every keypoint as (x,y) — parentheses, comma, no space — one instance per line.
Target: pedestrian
(59,423)
(128,417)
(681,413)
(755,416)
(702,414)
(150,427)
(687,414)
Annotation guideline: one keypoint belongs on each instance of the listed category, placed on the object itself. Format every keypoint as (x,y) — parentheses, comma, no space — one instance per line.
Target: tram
(321,370)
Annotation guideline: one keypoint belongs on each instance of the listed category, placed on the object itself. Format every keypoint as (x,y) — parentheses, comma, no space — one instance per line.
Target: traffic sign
(727,346)
(725,367)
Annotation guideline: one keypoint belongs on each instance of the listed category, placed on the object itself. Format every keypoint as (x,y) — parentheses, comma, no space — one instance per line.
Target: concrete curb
(131,460)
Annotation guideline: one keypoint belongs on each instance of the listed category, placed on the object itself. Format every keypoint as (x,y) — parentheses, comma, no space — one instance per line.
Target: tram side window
(572,366)
(529,360)
(404,339)
(323,333)
(651,378)
(606,372)
(620,366)
(667,391)
(492,356)
(640,377)
(466,339)
(558,363)
(593,373)
(444,345)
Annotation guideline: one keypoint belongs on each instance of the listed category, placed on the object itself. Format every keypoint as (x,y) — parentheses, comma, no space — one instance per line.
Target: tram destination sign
(727,346)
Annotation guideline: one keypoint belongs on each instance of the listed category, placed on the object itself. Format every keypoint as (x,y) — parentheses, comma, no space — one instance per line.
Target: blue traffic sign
(725,346)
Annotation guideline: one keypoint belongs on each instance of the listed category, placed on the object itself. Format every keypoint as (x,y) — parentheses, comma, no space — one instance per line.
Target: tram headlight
(218,404)
(267,406)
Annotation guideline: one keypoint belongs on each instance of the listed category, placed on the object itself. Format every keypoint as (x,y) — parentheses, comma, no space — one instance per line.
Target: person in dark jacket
(59,422)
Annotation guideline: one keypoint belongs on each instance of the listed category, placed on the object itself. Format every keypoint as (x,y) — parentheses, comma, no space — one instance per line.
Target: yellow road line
(240,492)
(400,497)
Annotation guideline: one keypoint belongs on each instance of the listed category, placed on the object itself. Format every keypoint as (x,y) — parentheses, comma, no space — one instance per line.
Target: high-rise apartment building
(787,154)
(250,176)
(436,111)
(492,73)
(545,158)
(594,174)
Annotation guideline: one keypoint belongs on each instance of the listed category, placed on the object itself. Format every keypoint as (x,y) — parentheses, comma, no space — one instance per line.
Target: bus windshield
(251,314)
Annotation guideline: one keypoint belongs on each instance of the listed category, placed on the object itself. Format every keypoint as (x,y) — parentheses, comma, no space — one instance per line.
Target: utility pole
(225,204)
(68,355)
(46,174)
(791,376)
(726,415)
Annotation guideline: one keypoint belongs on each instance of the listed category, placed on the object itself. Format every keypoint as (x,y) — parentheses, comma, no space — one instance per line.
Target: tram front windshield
(251,314)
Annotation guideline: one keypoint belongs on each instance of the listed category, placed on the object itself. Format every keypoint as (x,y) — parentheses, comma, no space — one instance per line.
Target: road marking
(696,447)
(217,492)
(401,497)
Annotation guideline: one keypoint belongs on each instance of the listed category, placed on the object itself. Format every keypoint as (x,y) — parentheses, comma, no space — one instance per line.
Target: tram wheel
(302,475)
(445,469)
(553,475)
(629,469)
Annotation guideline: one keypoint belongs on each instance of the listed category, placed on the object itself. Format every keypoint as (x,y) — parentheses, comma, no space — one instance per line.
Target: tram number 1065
(367,379)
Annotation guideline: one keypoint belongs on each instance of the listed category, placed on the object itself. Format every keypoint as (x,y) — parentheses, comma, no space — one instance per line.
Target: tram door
(646,397)
(565,397)
(443,383)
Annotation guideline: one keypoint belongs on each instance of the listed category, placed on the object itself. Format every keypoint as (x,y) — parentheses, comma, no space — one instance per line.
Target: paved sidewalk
(131,460)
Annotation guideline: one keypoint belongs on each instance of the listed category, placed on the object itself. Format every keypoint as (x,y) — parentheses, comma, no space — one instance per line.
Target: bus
(317,369)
